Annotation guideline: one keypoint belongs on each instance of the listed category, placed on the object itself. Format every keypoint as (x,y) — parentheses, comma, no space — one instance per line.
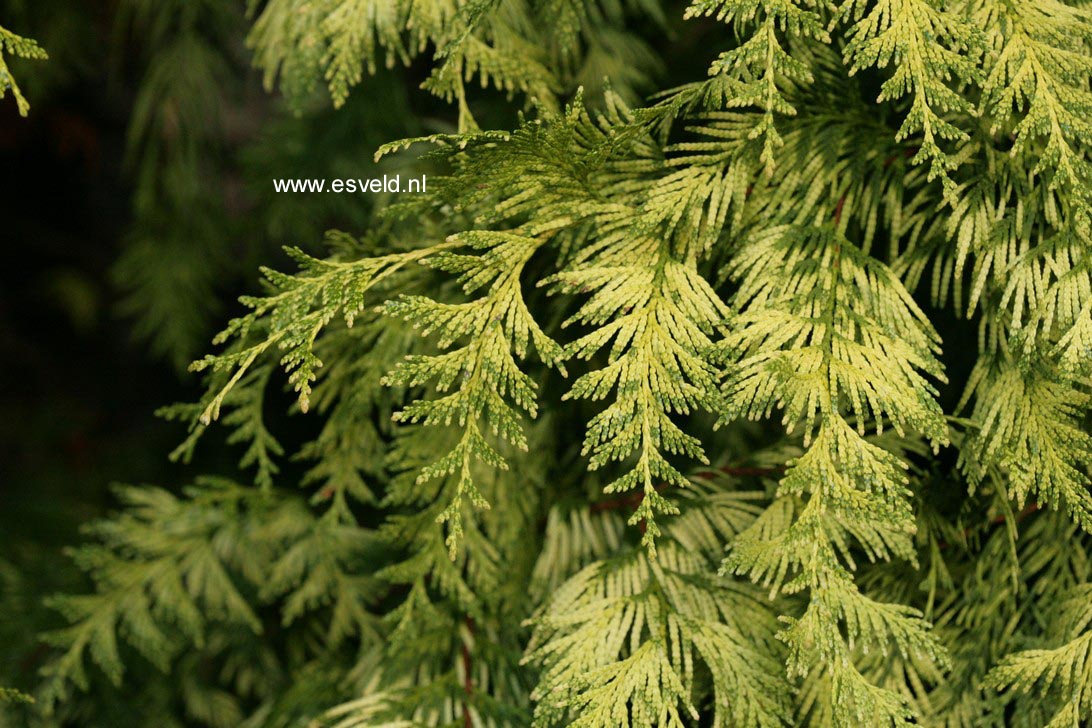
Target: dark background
(79,384)
(77,390)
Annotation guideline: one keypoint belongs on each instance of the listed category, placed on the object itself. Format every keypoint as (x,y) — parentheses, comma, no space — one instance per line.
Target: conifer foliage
(642,415)
(14,45)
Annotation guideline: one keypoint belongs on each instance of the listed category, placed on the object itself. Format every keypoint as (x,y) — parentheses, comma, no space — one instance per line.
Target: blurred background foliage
(135,201)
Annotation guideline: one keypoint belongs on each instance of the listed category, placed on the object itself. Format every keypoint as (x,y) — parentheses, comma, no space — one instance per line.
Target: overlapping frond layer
(928,49)
(838,370)
(625,640)
(483,375)
(754,73)
(495,43)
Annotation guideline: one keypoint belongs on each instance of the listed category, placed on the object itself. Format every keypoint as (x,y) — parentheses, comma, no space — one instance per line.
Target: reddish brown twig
(906,154)
(838,210)
(629,500)
(468,679)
